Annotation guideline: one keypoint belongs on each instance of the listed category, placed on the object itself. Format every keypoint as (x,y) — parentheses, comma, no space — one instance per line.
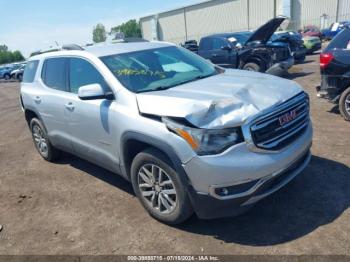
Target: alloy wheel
(157,188)
(40,140)
(347,104)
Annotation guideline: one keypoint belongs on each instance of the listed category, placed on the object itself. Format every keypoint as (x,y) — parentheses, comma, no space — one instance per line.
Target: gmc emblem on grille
(286,118)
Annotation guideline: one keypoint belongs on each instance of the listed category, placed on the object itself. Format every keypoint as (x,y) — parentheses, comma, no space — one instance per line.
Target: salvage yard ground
(74,207)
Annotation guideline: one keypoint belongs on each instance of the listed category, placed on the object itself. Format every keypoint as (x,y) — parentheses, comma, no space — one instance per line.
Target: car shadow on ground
(294,75)
(334,110)
(96,171)
(316,197)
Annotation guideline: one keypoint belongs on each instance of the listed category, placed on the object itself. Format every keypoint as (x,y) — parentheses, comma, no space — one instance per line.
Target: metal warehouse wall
(308,12)
(217,16)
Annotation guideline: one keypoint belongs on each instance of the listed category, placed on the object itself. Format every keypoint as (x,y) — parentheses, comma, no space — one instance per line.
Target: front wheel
(344,104)
(252,67)
(159,188)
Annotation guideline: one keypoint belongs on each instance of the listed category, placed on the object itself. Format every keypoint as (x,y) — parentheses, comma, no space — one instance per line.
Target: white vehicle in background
(18,73)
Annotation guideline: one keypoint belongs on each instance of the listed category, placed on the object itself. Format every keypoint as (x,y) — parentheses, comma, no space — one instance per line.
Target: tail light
(325,59)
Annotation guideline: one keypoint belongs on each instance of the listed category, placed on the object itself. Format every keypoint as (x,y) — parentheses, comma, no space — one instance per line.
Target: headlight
(206,141)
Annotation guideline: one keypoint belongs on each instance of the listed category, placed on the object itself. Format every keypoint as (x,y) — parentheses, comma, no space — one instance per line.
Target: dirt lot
(73,207)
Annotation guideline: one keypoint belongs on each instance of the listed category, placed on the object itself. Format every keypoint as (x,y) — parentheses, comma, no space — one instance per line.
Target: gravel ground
(74,207)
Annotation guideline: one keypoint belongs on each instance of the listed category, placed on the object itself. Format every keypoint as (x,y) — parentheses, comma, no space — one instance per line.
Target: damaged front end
(205,141)
(209,113)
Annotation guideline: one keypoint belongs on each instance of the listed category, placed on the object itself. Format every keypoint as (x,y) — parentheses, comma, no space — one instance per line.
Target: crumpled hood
(224,100)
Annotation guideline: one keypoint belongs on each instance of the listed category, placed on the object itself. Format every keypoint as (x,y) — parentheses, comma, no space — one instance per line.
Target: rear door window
(30,71)
(54,73)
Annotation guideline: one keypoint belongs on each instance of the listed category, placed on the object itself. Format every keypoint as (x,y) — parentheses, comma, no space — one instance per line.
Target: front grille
(269,134)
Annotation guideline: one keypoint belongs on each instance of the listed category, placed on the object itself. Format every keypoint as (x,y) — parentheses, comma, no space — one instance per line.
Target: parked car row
(247,50)
(262,50)
(12,71)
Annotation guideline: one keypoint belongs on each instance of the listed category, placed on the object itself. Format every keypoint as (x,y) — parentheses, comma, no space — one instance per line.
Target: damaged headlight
(206,141)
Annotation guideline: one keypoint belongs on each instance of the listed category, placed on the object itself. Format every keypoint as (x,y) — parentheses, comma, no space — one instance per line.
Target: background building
(217,16)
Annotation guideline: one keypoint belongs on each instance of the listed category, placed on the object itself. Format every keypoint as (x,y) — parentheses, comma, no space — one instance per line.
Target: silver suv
(190,136)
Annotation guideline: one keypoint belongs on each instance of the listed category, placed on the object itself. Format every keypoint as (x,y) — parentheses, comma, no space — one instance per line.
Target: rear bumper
(282,66)
(209,207)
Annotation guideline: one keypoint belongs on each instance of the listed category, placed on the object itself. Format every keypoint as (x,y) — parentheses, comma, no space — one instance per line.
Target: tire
(344,104)
(179,206)
(20,77)
(252,67)
(7,76)
(44,147)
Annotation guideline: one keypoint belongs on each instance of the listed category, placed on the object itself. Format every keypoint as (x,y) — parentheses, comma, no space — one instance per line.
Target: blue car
(334,29)
(5,72)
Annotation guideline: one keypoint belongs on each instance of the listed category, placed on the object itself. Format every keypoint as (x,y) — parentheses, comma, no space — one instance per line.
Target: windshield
(157,69)
(242,37)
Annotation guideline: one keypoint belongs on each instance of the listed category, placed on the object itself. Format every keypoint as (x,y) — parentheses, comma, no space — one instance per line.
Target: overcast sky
(30,25)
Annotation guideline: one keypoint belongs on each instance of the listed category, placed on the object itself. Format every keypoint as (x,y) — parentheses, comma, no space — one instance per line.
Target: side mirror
(92,92)
(226,47)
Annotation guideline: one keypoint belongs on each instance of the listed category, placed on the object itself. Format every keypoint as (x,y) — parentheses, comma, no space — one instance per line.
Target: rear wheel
(252,67)
(344,104)
(20,77)
(159,188)
(41,141)
(7,76)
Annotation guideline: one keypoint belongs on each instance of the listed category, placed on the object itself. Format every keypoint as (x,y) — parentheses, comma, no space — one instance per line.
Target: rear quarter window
(30,71)
(341,41)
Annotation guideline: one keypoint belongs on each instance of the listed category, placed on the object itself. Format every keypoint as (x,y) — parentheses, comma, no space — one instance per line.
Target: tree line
(7,56)
(130,28)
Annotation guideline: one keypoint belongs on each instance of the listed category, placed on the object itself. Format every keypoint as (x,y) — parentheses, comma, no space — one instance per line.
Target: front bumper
(209,207)
(313,47)
(281,67)
(244,174)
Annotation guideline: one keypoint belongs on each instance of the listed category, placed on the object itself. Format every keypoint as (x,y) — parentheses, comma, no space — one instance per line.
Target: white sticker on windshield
(232,39)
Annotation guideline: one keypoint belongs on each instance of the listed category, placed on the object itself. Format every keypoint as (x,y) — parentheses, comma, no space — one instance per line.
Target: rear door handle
(37,99)
(70,106)
(214,55)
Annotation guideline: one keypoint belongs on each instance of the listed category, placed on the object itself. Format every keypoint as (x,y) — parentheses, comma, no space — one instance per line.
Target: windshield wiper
(158,88)
(161,88)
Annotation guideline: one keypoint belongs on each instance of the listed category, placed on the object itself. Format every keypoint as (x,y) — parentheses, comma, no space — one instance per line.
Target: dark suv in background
(248,50)
(335,72)
(295,42)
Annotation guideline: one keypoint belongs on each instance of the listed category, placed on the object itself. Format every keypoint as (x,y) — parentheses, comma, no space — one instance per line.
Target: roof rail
(72,47)
(129,40)
(60,48)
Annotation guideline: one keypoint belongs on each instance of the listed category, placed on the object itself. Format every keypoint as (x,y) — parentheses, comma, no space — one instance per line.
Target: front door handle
(70,106)
(37,99)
